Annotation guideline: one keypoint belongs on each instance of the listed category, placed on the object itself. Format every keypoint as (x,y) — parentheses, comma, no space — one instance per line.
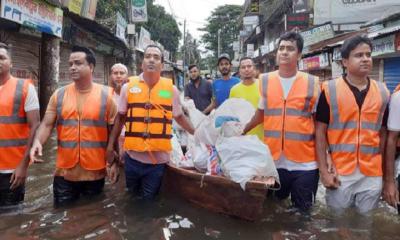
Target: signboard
(254,6)
(250,20)
(120,29)
(317,34)
(144,38)
(336,56)
(139,11)
(314,62)
(300,6)
(298,21)
(250,50)
(383,45)
(236,46)
(75,6)
(397,42)
(352,11)
(35,14)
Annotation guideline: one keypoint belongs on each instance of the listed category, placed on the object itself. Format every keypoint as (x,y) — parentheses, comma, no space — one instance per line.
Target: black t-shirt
(201,95)
(323,109)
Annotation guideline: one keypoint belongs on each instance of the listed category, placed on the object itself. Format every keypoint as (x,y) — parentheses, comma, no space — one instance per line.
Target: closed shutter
(375,70)
(391,72)
(25,54)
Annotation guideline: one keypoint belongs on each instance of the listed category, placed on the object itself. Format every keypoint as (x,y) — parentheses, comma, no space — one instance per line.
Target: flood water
(115,215)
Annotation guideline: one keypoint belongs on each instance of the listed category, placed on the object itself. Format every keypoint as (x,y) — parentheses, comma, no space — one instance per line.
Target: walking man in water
(351,118)
(147,105)
(248,89)
(83,112)
(19,118)
(198,89)
(222,86)
(286,107)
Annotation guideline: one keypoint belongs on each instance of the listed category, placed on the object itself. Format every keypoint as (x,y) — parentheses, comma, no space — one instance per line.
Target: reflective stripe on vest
(15,118)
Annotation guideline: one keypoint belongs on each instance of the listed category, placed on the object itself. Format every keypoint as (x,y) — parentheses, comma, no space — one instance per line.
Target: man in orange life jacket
(287,103)
(19,118)
(83,112)
(351,118)
(147,105)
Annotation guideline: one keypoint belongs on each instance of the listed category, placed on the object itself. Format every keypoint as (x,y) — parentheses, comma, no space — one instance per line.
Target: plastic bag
(200,157)
(213,162)
(195,116)
(245,157)
(177,157)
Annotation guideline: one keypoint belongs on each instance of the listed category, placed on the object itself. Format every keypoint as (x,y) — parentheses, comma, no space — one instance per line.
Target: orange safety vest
(82,139)
(353,135)
(149,116)
(14,129)
(289,123)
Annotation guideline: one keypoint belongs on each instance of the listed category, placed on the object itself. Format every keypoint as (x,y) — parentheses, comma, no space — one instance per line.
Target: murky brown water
(117,216)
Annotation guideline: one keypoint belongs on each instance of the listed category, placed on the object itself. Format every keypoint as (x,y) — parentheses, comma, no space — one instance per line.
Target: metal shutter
(391,72)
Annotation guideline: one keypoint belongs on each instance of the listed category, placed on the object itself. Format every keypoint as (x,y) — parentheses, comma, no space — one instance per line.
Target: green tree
(226,19)
(161,25)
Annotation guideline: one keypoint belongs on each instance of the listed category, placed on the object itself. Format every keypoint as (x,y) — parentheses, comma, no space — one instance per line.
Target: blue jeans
(300,185)
(142,179)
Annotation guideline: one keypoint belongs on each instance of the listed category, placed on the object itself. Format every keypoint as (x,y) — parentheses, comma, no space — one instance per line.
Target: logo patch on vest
(135,90)
(165,94)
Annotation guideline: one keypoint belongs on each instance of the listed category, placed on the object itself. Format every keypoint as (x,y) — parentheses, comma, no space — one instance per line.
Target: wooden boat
(216,193)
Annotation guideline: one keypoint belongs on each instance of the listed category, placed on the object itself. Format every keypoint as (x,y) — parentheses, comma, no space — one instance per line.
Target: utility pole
(184,51)
(219,42)
(131,38)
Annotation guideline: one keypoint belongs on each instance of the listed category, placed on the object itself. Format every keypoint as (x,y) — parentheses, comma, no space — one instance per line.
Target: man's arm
(112,139)
(210,107)
(184,122)
(19,176)
(257,118)
(390,191)
(42,134)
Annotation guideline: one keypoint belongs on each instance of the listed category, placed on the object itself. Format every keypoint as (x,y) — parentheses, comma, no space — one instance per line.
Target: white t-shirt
(393,123)
(31,103)
(283,162)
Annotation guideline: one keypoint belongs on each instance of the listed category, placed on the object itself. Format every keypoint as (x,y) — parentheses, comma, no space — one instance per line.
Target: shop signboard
(250,50)
(317,34)
(144,38)
(139,10)
(298,21)
(315,62)
(120,30)
(383,45)
(36,14)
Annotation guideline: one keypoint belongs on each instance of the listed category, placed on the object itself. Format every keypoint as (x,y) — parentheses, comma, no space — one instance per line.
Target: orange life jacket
(149,116)
(82,139)
(14,129)
(353,135)
(289,123)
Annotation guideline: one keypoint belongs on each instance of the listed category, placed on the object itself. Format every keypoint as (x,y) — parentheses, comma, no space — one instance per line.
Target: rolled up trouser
(356,190)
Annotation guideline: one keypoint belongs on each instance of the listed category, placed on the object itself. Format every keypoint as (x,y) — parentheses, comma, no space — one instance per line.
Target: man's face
(79,68)
(152,60)
(287,53)
(118,76)
(5,61)
(246,69)
(359,61)
(224,67)
(194,73)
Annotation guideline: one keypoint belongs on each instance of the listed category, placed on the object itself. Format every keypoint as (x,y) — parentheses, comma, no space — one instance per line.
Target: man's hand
(111,156)
(390,193)
(113,173)
(330,180)
(36,150)
(19,176)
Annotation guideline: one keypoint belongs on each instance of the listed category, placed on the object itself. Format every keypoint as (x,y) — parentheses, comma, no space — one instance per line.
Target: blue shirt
(222,88)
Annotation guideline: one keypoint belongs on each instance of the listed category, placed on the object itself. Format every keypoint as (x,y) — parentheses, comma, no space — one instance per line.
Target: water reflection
(116,215)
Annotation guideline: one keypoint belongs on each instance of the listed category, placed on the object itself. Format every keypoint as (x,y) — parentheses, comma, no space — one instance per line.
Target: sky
(194,11)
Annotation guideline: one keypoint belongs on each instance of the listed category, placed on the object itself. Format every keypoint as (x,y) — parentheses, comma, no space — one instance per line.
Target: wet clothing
(222,88)
(393,124)
(200,95)
(301,186)
(7,196)
(356,190)
(143,179)
(66,192)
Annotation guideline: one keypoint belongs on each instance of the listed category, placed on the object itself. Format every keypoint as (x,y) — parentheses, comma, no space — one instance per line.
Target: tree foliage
(226,19)
(161,25)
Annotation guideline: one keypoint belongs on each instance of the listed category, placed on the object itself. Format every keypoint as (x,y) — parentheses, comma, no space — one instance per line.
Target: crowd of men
(333,131)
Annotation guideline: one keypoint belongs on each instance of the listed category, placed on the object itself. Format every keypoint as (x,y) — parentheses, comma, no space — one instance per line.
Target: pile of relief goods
(218,146)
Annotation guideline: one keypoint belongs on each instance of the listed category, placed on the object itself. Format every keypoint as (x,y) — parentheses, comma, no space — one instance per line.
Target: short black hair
(90,56)
(245,58)
(293,37)
(351,44)
(154,46)
(6,47)
(192,66)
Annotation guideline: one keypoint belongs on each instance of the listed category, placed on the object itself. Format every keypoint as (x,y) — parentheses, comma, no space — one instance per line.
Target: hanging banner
(139,11)
(35,14)
(144,39)
(120,30)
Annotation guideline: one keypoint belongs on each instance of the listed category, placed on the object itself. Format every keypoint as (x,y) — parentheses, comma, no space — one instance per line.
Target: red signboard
(297,21)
